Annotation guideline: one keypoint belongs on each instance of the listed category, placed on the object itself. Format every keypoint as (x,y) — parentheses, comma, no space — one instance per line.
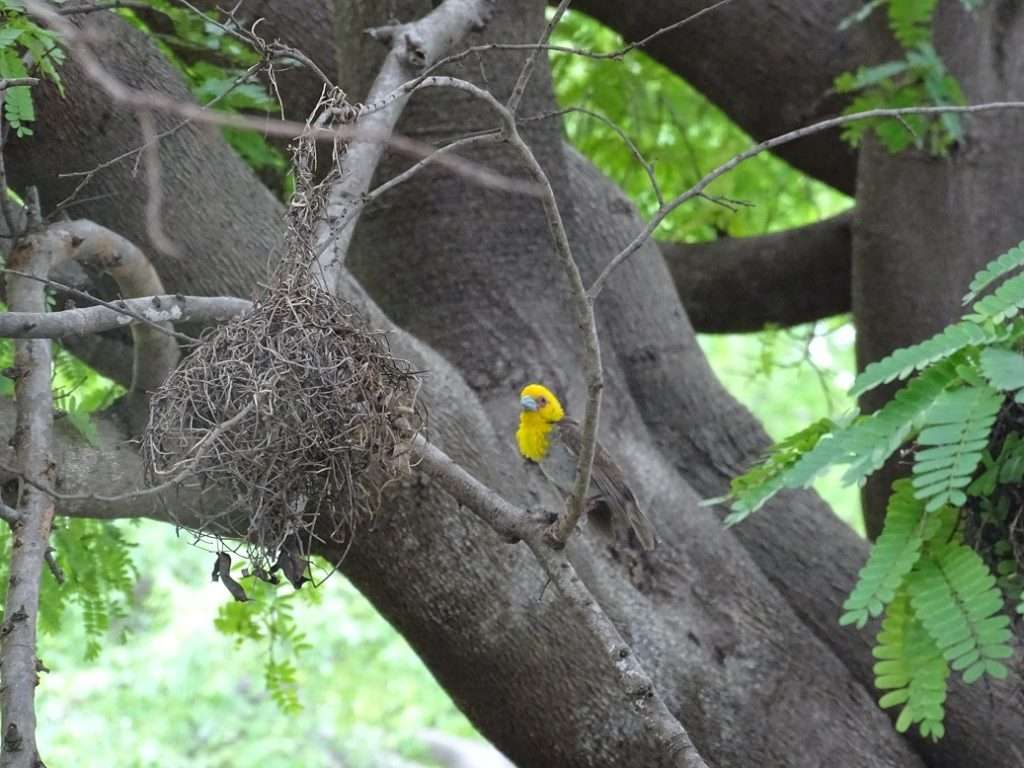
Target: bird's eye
(541,402)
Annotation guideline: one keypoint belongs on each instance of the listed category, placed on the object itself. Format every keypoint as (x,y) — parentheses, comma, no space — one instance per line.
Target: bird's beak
(528,403)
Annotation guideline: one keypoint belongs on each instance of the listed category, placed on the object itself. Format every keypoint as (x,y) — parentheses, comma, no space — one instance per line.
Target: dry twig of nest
(296,408)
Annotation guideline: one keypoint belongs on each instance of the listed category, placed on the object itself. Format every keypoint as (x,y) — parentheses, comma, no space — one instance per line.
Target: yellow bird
(546,435)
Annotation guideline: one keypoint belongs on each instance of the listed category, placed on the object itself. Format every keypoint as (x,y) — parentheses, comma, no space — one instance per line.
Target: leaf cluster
(919,78)
(217,65)
(26,49)
(949,561)
(268,617)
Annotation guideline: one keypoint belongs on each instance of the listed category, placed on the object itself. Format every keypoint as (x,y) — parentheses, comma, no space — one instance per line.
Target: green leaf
(864,445)
(891,559)
(1002,304)
(1003,368)
(993,270)
(956,600)
(957,426)
(911,20)
(911,669)
(905,361)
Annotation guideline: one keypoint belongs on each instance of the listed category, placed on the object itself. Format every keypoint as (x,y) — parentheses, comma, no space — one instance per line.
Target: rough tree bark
(737,628)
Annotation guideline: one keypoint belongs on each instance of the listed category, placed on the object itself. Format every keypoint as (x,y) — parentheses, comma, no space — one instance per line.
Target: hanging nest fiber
(295,409)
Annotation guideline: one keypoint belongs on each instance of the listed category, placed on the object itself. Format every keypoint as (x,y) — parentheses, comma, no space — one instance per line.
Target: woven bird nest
(296,408)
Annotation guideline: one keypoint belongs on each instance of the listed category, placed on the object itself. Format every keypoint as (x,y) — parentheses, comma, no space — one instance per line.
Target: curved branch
(155,352)
(740,285)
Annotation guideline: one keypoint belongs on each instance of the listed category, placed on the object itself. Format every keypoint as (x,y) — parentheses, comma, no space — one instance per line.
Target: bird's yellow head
(538,399)
(540,410)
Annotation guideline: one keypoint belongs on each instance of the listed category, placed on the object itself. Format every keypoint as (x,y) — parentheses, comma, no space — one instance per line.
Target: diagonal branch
(413,46)
(531,59)
(786,138)
(664,729)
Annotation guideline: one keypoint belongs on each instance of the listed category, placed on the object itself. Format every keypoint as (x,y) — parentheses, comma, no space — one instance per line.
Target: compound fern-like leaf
(892,557)
(890,426)
(954,596)
(763,480)
(911,668)
(911,20)
(1003,368)
(903,362)
(956,432)
(995,269)
(1002,304)
(864,445)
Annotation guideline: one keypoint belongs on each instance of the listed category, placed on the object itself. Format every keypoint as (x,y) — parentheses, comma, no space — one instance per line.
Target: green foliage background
(151,664)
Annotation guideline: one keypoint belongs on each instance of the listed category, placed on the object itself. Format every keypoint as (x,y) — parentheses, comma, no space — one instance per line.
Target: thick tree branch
(740,285)
(153,309)
(34,446)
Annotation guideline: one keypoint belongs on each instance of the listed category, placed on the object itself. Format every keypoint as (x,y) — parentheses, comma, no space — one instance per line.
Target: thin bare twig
(160,102)
(154,189)
(120,307)
(464,143)
(527,71)
(478,139)
(111,5)
(583,307)
(87,176)
(630,145)
(785,138)
(13,82)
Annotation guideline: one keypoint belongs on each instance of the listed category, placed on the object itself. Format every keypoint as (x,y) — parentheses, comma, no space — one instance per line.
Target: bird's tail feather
(641,525)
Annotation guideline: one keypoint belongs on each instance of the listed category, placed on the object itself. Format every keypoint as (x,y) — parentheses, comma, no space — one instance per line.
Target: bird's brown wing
(610,483)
